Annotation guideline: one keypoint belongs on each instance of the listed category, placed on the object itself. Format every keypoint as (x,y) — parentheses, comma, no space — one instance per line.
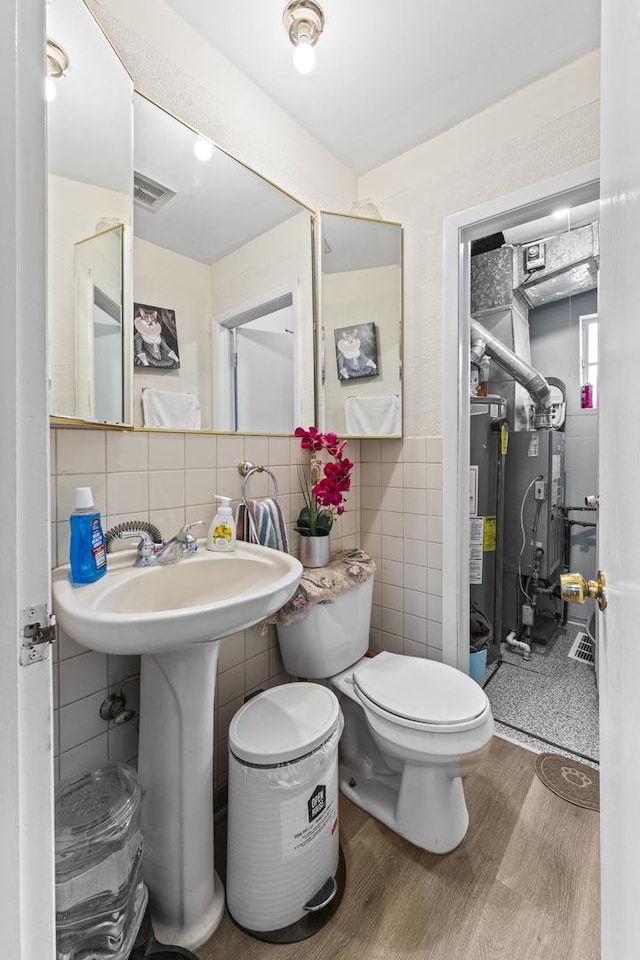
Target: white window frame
(587,364)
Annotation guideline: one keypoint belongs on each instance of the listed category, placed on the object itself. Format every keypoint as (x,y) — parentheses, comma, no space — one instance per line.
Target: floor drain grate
(582,649)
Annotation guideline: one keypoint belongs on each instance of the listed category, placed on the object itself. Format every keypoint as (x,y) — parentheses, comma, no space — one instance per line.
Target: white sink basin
(174,616)
(201,598)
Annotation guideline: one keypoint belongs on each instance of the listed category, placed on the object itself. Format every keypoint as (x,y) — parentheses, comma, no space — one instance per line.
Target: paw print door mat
(573,781)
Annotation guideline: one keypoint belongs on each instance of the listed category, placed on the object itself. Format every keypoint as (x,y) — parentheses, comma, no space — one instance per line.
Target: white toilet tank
(331,637)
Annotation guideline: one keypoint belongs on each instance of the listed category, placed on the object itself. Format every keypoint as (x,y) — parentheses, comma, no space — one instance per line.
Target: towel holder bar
(246,468)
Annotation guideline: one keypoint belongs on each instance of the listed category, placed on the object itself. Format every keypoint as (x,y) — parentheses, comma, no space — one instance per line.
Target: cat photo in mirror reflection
(356,351)
(155,338)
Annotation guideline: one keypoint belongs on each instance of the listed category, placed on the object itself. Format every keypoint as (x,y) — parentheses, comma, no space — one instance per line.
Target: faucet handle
(187,539)
(146,546)
(184,532)
(196,523)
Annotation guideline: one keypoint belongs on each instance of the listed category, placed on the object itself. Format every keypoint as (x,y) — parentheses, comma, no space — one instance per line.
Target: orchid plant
(323,490)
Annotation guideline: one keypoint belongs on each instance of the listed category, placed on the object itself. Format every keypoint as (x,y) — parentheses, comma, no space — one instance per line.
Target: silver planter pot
(315,551)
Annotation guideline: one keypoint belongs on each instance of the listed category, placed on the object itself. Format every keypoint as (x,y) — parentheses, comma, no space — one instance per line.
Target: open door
(26,733)
(619,526)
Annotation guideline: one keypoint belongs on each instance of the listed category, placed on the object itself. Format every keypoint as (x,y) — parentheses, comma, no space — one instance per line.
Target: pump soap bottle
(222,532)
(87,550)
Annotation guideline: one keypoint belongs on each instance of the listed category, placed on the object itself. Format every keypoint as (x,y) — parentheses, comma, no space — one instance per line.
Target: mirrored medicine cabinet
(360,301)
(175,270)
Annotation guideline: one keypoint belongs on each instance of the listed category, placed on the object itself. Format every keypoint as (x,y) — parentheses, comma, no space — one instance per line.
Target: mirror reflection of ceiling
(83,143)
(219,205)
(353,244)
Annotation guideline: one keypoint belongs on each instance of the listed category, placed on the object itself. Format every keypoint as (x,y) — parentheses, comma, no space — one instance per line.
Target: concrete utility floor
(549,703)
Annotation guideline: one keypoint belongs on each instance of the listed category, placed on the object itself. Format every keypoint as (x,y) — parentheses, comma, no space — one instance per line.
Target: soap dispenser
(222,533)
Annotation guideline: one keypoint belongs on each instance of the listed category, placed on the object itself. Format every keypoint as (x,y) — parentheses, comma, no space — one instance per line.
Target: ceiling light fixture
(304,22)
(57,63)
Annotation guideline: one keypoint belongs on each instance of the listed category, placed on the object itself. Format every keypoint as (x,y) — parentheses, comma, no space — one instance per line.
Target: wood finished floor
(523,885)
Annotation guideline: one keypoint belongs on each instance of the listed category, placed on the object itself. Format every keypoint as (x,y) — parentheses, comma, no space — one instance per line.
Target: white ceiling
(390,75)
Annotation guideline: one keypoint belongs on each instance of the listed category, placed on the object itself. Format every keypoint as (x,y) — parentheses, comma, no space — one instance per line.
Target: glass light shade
(304,56)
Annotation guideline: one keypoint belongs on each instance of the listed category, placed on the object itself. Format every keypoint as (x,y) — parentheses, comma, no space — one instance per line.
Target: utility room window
(589,357)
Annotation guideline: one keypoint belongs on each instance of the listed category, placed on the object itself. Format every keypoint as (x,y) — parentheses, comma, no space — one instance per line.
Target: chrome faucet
(151,555)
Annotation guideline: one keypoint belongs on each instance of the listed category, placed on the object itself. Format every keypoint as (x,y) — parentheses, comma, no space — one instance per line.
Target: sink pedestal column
(176,770)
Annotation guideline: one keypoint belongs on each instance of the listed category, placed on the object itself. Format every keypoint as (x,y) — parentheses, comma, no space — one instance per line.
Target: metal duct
(478,348)
(532,381)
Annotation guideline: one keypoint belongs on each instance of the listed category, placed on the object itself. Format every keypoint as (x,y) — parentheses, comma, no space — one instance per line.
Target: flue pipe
(521,371)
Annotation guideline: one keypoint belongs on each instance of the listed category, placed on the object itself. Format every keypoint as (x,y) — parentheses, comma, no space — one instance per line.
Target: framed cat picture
(155,338)
(356,351)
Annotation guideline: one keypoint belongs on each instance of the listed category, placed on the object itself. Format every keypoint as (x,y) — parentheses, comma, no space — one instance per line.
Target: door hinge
(38,633)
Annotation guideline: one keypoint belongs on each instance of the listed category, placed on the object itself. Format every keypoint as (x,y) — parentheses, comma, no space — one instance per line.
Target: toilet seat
(417,693)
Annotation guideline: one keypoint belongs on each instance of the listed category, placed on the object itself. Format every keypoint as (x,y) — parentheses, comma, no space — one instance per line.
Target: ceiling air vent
(149,193)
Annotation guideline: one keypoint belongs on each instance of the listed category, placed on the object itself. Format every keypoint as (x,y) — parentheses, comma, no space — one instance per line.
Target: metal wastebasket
(285,873)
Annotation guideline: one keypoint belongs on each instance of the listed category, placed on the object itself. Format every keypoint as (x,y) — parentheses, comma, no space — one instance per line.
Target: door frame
(223,326)
(575,186)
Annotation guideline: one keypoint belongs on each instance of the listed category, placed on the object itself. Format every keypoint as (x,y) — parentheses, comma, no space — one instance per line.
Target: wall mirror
(90,167)
(222,288)
(361,313)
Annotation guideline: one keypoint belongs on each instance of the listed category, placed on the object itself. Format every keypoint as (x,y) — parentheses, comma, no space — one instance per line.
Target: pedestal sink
(174,617)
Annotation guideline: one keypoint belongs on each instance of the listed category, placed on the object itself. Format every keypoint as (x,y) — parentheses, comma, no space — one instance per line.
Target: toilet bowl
(413,727)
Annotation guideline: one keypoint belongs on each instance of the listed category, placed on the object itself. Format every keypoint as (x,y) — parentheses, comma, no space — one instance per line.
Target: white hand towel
(379,416)
(163,408)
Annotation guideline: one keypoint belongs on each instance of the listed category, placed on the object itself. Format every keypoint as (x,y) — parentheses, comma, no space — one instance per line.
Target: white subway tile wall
(394,512)
(401,526)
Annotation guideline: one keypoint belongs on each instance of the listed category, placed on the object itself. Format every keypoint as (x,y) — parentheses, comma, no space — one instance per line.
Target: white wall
(546,128)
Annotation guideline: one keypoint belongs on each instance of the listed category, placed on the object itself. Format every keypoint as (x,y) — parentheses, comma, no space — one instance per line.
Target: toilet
(413,727)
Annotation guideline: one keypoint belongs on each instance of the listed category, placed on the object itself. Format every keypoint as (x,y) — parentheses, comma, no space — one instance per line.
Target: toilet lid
(284,724)
(423,690)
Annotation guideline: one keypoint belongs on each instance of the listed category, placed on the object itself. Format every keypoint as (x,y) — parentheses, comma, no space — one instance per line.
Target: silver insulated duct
(522,372)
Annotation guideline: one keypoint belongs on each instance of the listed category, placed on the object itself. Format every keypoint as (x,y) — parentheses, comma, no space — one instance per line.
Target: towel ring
(246,469)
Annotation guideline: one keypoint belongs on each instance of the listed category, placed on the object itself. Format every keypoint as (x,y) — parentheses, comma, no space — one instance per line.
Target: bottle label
(221,535)
(97,544)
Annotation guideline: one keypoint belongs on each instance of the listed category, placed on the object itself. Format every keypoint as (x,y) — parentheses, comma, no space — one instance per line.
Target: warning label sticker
(489,544)
(306,819)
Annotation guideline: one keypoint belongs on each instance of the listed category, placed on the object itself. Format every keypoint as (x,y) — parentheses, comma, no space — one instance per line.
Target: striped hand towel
(261,521)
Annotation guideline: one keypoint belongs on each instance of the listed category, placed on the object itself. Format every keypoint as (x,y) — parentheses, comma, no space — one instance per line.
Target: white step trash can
(283,852)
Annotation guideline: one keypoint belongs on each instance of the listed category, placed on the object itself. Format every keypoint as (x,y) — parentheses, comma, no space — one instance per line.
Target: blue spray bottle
(87,551)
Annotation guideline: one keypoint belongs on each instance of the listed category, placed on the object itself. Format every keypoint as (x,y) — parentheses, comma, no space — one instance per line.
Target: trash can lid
(283,724)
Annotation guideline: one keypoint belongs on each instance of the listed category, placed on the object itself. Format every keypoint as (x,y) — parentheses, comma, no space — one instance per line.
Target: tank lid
(422,690)
(283,724)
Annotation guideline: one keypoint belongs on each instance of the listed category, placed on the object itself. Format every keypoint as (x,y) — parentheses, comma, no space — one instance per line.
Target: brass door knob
(575,589)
